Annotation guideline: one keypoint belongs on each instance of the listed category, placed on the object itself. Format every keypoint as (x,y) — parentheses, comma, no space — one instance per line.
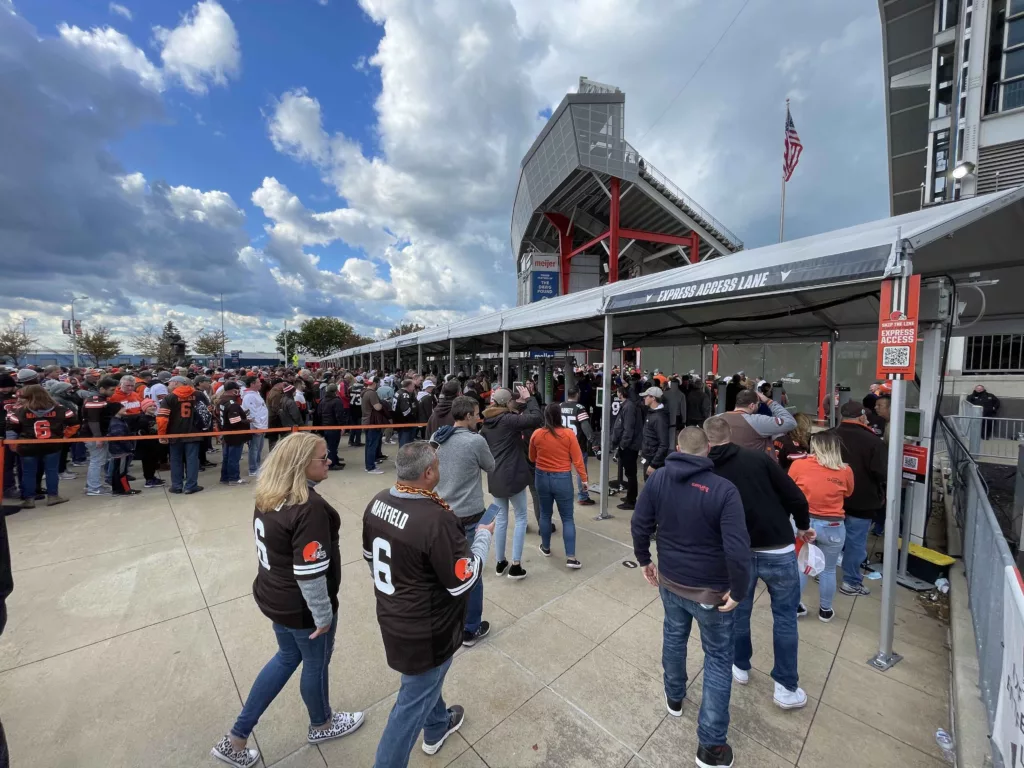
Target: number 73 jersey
(423,571)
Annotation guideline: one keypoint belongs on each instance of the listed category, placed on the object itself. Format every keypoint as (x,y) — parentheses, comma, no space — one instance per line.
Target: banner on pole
(1008,729)
(897,330)
(65,327)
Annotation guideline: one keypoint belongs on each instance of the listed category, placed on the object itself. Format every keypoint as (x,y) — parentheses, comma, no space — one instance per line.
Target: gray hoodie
(462,454)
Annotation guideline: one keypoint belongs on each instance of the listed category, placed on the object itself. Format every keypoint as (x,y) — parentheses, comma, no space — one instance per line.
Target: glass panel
(1016,6)
(1014,64)
(1015,33)
(1013,95)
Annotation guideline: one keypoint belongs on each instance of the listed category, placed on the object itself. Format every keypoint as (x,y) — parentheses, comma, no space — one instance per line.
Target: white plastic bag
(810,560)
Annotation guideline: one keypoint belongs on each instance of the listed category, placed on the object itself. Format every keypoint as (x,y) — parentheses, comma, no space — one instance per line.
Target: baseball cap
(230,385)
(501,397)
(428,384)
(202,379)
(179,380)
(164,376)
(851,409)
(652,392)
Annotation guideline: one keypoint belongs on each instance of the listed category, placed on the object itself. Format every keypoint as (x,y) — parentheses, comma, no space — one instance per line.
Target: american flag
(791,155)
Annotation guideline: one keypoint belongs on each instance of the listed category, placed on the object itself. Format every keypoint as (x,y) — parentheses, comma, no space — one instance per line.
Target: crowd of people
(730,498)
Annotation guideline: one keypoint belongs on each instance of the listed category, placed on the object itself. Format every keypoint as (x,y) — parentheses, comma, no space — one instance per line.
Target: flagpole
(782,211)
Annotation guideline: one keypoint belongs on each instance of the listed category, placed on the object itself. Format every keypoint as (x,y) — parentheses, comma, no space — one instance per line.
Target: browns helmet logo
(465,568)
(313,551)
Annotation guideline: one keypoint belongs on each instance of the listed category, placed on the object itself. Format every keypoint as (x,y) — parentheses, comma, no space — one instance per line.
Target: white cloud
(120,10)
(296,127)
(109,48)
(203,49)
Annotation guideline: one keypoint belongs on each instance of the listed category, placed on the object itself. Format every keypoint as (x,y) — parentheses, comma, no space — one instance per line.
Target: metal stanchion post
(505,380)
(606,420)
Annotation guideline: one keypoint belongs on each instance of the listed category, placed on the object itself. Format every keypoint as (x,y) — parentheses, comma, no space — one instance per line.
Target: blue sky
(359,158)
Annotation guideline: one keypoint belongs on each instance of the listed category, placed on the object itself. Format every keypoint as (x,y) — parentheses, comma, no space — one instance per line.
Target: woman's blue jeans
(518,504)
(293,647)
(831,536)
(29,466)
(556,488)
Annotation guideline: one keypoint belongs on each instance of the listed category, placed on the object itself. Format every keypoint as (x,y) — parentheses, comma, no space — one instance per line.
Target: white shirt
(255,409)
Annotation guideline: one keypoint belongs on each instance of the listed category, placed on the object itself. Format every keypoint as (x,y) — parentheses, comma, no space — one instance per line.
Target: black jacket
(441,415)
(6,579)
(867,456)
(698,405)
(628,432)
(425,407)
(231,418)
(655,447)
(769,495)
(289,413)
(332,411)
(406,410)
(989,403)
(503,432)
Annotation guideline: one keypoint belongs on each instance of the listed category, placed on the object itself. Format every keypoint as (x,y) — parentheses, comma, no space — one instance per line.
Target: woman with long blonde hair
(297,580)
(826,481)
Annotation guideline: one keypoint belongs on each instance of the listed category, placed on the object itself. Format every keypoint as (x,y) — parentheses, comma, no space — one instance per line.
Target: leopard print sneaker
(240,758)
(342,724)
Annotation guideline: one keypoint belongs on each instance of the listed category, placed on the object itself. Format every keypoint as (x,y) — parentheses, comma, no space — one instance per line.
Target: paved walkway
(133,638)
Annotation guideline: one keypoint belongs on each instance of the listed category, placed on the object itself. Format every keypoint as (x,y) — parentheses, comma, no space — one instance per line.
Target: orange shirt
(132,401)
(557,452)
(824,488)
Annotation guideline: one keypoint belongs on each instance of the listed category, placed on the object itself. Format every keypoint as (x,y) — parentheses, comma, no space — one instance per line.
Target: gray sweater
(462,454)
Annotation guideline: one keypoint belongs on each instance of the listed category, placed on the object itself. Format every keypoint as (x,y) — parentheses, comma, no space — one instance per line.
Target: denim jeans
(78,453)
(831,537)
(29,467)
(716,638)
(10,472)
(518,503)
(406,435)
(581,494)
(99,457)
(855,551)
(372,450)
(475,608)
(231,459)
(779,572)
(556,488)
(420,707)
(255,453)
(184,465)
(293,647)
(333,438)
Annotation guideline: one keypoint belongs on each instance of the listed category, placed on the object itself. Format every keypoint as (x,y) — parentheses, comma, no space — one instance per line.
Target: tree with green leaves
(210,344)
(15,343)
(403,328)
(322,335)
(294,343)
(99,344)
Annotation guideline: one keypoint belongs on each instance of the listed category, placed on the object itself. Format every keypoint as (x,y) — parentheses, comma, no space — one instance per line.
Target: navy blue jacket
(702,531)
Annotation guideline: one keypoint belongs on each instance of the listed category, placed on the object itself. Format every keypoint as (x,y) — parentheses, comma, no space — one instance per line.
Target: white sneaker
(374,471)
(342,724)
(241,758)
(741,676)
(254,474)
(787,699)
(100,492)
(67,476)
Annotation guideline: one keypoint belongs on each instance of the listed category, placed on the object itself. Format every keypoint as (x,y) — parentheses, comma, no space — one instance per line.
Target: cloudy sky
(359,159)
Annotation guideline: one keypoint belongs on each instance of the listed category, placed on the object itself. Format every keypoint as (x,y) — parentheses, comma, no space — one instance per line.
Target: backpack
(203,417)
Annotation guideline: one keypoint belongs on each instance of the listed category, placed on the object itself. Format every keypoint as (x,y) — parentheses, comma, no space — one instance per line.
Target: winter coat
(628,432)
(441,416)
(503,430)
(698,405)
(332,411)
(675,402)
(868,457)
(425,405)
(289,414)
(655,447)
(769,495)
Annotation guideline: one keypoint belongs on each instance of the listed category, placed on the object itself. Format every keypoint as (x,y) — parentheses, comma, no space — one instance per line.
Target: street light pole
(74,330)
(222,330)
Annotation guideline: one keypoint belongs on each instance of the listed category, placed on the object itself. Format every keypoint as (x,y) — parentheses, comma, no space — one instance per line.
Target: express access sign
(897,330)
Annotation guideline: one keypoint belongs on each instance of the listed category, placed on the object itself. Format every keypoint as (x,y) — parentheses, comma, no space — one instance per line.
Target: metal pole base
(605,517)
(884,662)
(914,583)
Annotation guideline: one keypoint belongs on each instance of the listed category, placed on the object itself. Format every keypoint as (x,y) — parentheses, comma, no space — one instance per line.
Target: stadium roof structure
(582,185)
(801,290)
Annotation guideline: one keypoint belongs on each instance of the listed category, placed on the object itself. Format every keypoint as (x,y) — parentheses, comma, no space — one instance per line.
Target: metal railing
(652,174)
(990,436)
(997,353)
(986,556)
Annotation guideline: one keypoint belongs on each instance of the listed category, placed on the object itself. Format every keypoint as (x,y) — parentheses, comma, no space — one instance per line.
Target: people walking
(554,450)
(333,413)
(505,422)
(865,453)
(698,402)
(462,455)
(577,420)
(703,574)
(769,498)
(627,437)
(827,481)
(654,446)
(297,579)
(424,571)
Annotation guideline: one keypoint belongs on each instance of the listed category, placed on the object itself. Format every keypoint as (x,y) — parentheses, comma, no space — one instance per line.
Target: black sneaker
(801,611)
(197,489)
(381,458)
(674,706)
(826,614)
(626,505)
(154,483)
(456,717)
(586,502)
(573,563)
(545,552)
(500,567)
(714,757)
(469,639)
(176,490)
(517,572)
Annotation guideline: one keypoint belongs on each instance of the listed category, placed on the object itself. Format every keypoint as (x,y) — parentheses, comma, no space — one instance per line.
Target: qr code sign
(895,357)
(911,463)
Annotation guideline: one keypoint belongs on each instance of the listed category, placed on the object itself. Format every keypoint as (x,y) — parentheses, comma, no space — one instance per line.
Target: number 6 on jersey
(382,569)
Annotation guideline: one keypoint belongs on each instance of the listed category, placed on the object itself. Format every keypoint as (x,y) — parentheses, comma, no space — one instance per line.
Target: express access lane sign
(897,330)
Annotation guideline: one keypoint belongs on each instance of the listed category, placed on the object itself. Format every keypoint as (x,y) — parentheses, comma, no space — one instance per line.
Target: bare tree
(210,343)
(99,344)
(15,343)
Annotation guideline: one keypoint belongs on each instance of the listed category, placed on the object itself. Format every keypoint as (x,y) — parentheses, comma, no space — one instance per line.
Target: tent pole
(451,357)
(505,382)
(606,419)
(419,358)
(833,410)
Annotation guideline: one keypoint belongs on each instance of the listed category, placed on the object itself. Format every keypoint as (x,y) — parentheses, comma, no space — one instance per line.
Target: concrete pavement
(133,639)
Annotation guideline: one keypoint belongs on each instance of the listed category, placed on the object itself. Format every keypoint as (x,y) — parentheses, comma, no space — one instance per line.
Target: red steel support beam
(654,237)
(564,227)
(694,248)
(613,232)
(589,244)
(714,359)
(823,381)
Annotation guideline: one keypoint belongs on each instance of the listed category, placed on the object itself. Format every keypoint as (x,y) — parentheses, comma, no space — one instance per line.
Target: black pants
(118,475)
(627,460)
(333,438)
(355,436)
(147,451)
